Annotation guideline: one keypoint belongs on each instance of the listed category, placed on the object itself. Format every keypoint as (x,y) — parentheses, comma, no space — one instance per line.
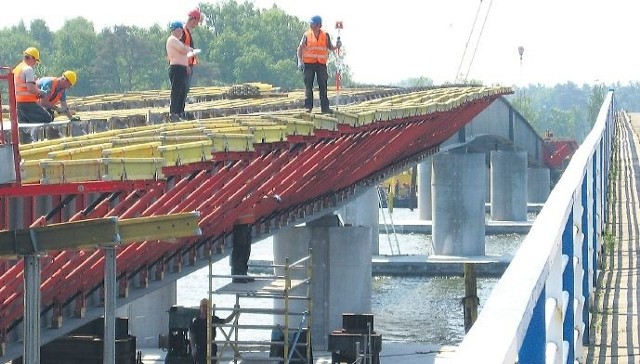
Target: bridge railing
(539,310)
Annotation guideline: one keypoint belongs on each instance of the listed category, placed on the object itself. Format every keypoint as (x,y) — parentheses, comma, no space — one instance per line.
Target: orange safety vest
(316,50)
(188,40)
(56,94)
(22,92)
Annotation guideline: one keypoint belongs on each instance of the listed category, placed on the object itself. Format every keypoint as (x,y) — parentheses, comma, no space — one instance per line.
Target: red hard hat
(196,14)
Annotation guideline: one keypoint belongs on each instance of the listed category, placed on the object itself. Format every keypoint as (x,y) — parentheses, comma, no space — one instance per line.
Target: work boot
(174,118)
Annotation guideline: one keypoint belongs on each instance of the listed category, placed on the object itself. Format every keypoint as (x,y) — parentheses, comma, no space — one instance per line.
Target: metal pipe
(31,351)
(110,292)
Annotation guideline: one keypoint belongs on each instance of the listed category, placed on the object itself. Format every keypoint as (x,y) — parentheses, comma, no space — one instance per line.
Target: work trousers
(32,112)
(178,79)
(316,71)
(241,249)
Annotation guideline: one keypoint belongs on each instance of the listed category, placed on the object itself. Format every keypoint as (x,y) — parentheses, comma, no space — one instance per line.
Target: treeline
(240,43)
(569,110)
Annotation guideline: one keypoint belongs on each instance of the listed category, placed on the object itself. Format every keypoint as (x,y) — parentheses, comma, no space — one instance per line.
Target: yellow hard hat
(70,76)
(33,52)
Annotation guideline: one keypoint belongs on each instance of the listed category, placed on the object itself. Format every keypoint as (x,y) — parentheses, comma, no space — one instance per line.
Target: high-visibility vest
(22,92)
(56,94)
(188,40)
(316,50)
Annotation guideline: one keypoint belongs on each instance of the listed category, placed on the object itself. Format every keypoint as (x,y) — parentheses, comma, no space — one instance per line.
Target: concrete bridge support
(425,205)
(458,187)
(365,212)
(508,186)
(538,185)
(341,280)
(148,316)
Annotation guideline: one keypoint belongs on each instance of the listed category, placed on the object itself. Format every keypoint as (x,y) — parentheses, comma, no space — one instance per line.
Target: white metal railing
(538,312)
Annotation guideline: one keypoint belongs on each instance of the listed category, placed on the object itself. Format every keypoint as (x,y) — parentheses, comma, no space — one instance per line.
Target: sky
(581,41)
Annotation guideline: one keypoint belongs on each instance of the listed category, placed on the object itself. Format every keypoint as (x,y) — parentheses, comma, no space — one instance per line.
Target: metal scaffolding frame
(277,287)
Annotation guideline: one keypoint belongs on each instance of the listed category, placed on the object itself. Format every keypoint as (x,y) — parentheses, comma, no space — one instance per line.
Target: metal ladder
(386,227)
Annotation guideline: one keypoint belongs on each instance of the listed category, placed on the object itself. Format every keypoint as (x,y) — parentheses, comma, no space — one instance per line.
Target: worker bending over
(56,88)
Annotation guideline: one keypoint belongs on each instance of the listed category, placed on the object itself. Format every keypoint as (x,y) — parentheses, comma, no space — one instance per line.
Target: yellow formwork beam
(230,142)
(69,235)
(143,150)
(61,171)
(183,153)
(159,227)
(93,233)
(31,170)
(40,152)
(88,152)
(320,121)
(127,169)
(269,133)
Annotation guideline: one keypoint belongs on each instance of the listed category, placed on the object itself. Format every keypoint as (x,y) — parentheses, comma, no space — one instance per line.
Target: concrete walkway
(615,326)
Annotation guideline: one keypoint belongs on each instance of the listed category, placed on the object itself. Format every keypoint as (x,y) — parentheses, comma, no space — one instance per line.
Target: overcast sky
(583,41)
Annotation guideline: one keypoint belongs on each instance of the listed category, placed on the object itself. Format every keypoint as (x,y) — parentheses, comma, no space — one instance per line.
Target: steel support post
(109,305)
(31,352)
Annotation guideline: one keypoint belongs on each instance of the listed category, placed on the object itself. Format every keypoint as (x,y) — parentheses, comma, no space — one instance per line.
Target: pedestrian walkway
(615,327)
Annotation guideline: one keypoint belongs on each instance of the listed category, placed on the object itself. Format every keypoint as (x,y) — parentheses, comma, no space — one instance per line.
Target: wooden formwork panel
(143,150)
(31,170)
(269,133)
(183,153)
(125,169)
(61,171)
(88,152)
(229,142)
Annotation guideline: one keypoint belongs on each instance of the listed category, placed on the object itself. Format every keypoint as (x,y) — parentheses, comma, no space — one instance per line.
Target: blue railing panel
(508,328)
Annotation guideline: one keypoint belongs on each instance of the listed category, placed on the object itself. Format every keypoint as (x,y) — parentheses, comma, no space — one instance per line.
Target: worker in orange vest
(56,88)
(313,54)
(27,92)
(194,18)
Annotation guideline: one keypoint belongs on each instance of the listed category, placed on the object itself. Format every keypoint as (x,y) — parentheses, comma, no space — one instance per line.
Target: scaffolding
(290,342)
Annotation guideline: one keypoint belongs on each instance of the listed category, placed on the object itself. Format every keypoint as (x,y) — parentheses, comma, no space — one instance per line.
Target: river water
(406,309)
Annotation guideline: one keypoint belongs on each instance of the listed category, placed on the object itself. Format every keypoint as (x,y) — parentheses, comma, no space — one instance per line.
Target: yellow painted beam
(69,235)
(160,227)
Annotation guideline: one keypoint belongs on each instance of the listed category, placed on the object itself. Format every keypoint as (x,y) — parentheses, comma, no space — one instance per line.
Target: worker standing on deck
(313,54)
(56,88)
(178,62)
(27,92)
(194,18)
(198,333)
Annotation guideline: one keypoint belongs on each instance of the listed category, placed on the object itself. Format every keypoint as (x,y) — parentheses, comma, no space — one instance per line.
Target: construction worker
(27,92)
(198,333)
(313,54)
(56,88)
(194,18)
(178,62)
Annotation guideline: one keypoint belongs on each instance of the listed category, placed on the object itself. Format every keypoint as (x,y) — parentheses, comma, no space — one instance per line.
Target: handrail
(538,312)
(7,74)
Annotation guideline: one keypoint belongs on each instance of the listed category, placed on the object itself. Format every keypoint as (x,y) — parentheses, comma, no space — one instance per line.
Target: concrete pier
(508,185)
(364,212)
(341,279)
(458,187)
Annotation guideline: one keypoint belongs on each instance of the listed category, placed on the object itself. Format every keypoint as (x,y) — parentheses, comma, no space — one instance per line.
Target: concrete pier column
(425,206)
(508,185)
(538,185)
(148,316)
(458,189)
(341,280)
(365,212)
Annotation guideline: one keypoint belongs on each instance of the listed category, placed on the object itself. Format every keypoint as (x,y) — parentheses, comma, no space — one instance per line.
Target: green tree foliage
(240,43)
